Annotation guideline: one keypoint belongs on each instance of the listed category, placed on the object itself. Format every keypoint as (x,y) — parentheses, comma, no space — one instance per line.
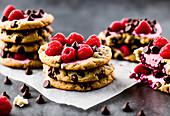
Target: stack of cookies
(21,35)
(72,64)
(124,36)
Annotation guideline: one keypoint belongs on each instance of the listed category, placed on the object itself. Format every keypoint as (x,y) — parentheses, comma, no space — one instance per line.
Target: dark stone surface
(88,17)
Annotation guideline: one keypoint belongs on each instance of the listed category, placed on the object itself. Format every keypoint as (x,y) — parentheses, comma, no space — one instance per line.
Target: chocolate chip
(137,42)
(21,49)
(146,19)
(95,49)
(129,20)
(40,99)
(4,18)
(9,32)
(109,29)
(167,79)
(38,14)
(81,73)
(26,94)
(30,18)
(154,21)
(147,50)
(26,11)
(127,108)
(74,78)
(159,74)
(8,45)
(154,30)
(135,22)
(23,88)
(14,24)
(103,42)
(75,45)
(7,81)
(141,113)
(18,39)
(28,71)
(129,29)
(155,50)
(46,84)
(119,57)
(42,11)
(5,94)
(100,53)
(105,110)
(107,34)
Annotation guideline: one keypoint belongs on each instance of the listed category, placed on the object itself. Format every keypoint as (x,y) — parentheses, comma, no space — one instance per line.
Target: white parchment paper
(83,100)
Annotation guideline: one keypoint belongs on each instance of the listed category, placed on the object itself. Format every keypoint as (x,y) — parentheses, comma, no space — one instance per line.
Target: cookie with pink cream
(154,67)
(129,34)
(14,19)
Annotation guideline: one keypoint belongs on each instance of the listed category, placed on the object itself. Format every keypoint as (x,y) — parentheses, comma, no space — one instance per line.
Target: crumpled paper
(83,100)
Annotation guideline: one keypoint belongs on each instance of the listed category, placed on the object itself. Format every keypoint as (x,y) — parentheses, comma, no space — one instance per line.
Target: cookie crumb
(20,101)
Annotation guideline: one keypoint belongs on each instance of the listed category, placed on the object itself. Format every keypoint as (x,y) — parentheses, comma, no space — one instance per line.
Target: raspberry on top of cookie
(73,53)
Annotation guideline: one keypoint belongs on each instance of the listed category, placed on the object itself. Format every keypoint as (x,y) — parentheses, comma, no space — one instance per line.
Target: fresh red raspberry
(5,105)
(60,37)
(160,41)
(54,48)
(75,37)
(93,41)
(143,27)
(124,21)
(68,54)
(84,51)
(116,26)
(8,10)
(142,69)
(125,50)
(19,56)
(15,14)
(165,51)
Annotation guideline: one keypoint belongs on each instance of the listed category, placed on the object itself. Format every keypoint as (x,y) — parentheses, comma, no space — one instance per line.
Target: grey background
(90,17)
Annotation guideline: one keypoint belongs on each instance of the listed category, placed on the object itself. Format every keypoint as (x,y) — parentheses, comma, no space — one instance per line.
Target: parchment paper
(83,100)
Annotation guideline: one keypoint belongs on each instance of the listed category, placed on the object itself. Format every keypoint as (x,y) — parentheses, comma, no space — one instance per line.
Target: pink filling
(26,61)
(153,59)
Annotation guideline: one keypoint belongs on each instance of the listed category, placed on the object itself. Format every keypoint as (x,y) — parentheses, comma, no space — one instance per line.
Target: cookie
(25,36)
(10,62)
(30,19)
(127,35)
(79,76)
(99,58)
(21,48)
(82,86)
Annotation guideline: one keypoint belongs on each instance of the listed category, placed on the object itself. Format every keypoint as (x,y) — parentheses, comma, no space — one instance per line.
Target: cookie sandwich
(22,32)
(154,67)
(72,64)
(124,36)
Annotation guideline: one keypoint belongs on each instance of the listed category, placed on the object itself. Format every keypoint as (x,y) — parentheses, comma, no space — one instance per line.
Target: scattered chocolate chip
(14,24)
(155,50)
(28,71)
(127,108)
(74,78)
(75,45)
(30,18)
(21,49)
(46,84)
(18,39)
(8,45)
(4,18)
(167,79)
(159,74)
(23,88)
(40,99)
(7,81)
(147,50)
(129,28)
(5,94)
(105,110)
(33,11)
(107,34)
(95,49)
(141,113)
(26,94)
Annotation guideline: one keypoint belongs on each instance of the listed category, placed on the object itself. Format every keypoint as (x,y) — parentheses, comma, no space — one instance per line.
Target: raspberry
(142,69)
(124,21)
(116,26)
(8,10)
(15,14)
(125,50)
(75,37)
(5,105)
(54,48)
(165,51)
(19,56)
(68,54)
(60,37)
(143,27)
(93,41)
(84,51)
(160,41)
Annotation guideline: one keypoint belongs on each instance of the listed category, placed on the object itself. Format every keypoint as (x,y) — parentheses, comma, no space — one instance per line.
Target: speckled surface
(88,17)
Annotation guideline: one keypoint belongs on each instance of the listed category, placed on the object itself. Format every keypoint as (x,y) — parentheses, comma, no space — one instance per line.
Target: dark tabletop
(90,17)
